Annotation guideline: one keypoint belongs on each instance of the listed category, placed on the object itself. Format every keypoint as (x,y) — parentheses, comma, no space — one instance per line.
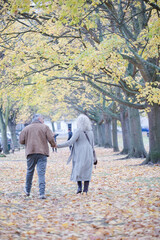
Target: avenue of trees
(95,57)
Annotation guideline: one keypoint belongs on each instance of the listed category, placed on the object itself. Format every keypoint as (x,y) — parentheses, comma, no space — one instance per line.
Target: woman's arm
(71,141)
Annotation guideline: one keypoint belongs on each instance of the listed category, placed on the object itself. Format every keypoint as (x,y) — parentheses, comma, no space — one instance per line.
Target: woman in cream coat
(81,153)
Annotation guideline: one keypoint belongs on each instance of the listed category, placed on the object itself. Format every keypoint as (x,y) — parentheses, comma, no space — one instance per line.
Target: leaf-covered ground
(123,200)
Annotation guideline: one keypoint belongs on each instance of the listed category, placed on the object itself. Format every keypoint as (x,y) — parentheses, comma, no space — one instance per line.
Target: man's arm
(50,137)
(22,137)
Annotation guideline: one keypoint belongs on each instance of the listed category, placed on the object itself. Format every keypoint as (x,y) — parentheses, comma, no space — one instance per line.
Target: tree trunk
(114,135)
(12,128)
(53,128)
(4,134)
(108,133)
(99,135)
(95,134)
(125,130)
(137,146)
(154,135)
(103,134)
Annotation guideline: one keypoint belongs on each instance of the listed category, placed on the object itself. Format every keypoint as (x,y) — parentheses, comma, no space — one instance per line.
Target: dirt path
(123,200)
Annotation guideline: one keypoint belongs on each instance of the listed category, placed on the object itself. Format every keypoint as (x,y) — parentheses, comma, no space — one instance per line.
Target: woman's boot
(86,185)
(79,187)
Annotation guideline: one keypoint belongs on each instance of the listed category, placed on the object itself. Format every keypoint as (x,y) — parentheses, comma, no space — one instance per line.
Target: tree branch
(113,97)
(152,4)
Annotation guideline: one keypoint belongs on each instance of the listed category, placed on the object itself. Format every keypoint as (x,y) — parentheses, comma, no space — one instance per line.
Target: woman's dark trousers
(86,185)
(85,189)
(79,187)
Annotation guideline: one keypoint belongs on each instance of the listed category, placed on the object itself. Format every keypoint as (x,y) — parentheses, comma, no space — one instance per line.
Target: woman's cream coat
(81,155)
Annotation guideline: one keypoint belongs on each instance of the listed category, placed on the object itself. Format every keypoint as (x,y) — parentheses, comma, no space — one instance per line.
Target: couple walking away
(36,136)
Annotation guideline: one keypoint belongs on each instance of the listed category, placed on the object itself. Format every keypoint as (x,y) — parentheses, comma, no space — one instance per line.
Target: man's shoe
(25,191)
(42,197)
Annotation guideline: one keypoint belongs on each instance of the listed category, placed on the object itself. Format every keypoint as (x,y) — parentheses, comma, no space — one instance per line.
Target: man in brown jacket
(35,137)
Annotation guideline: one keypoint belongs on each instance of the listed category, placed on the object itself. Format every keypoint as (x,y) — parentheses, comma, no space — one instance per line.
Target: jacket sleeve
(22,137)
(50,137)
(71,141)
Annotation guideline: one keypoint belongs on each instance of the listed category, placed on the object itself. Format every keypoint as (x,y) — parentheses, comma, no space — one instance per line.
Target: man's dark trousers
(41,161)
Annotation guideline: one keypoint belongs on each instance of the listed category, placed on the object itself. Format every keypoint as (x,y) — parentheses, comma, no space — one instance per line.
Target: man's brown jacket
(35,137)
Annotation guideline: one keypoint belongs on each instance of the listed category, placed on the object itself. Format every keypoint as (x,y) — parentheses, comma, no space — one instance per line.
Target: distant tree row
(96,57)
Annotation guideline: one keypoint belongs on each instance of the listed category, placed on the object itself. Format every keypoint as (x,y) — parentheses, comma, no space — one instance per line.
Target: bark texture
(154,135)
(108,133)
(12,128)
(125,130)
(4,133)
(115,135)
(137,146)
(99,135)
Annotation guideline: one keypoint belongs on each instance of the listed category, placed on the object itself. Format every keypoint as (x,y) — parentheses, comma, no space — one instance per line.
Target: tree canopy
(49,48)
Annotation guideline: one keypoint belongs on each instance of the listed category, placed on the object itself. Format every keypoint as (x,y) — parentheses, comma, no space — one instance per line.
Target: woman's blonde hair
(83,123)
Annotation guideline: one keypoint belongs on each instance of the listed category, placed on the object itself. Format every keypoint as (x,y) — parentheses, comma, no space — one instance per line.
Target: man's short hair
(36,117)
